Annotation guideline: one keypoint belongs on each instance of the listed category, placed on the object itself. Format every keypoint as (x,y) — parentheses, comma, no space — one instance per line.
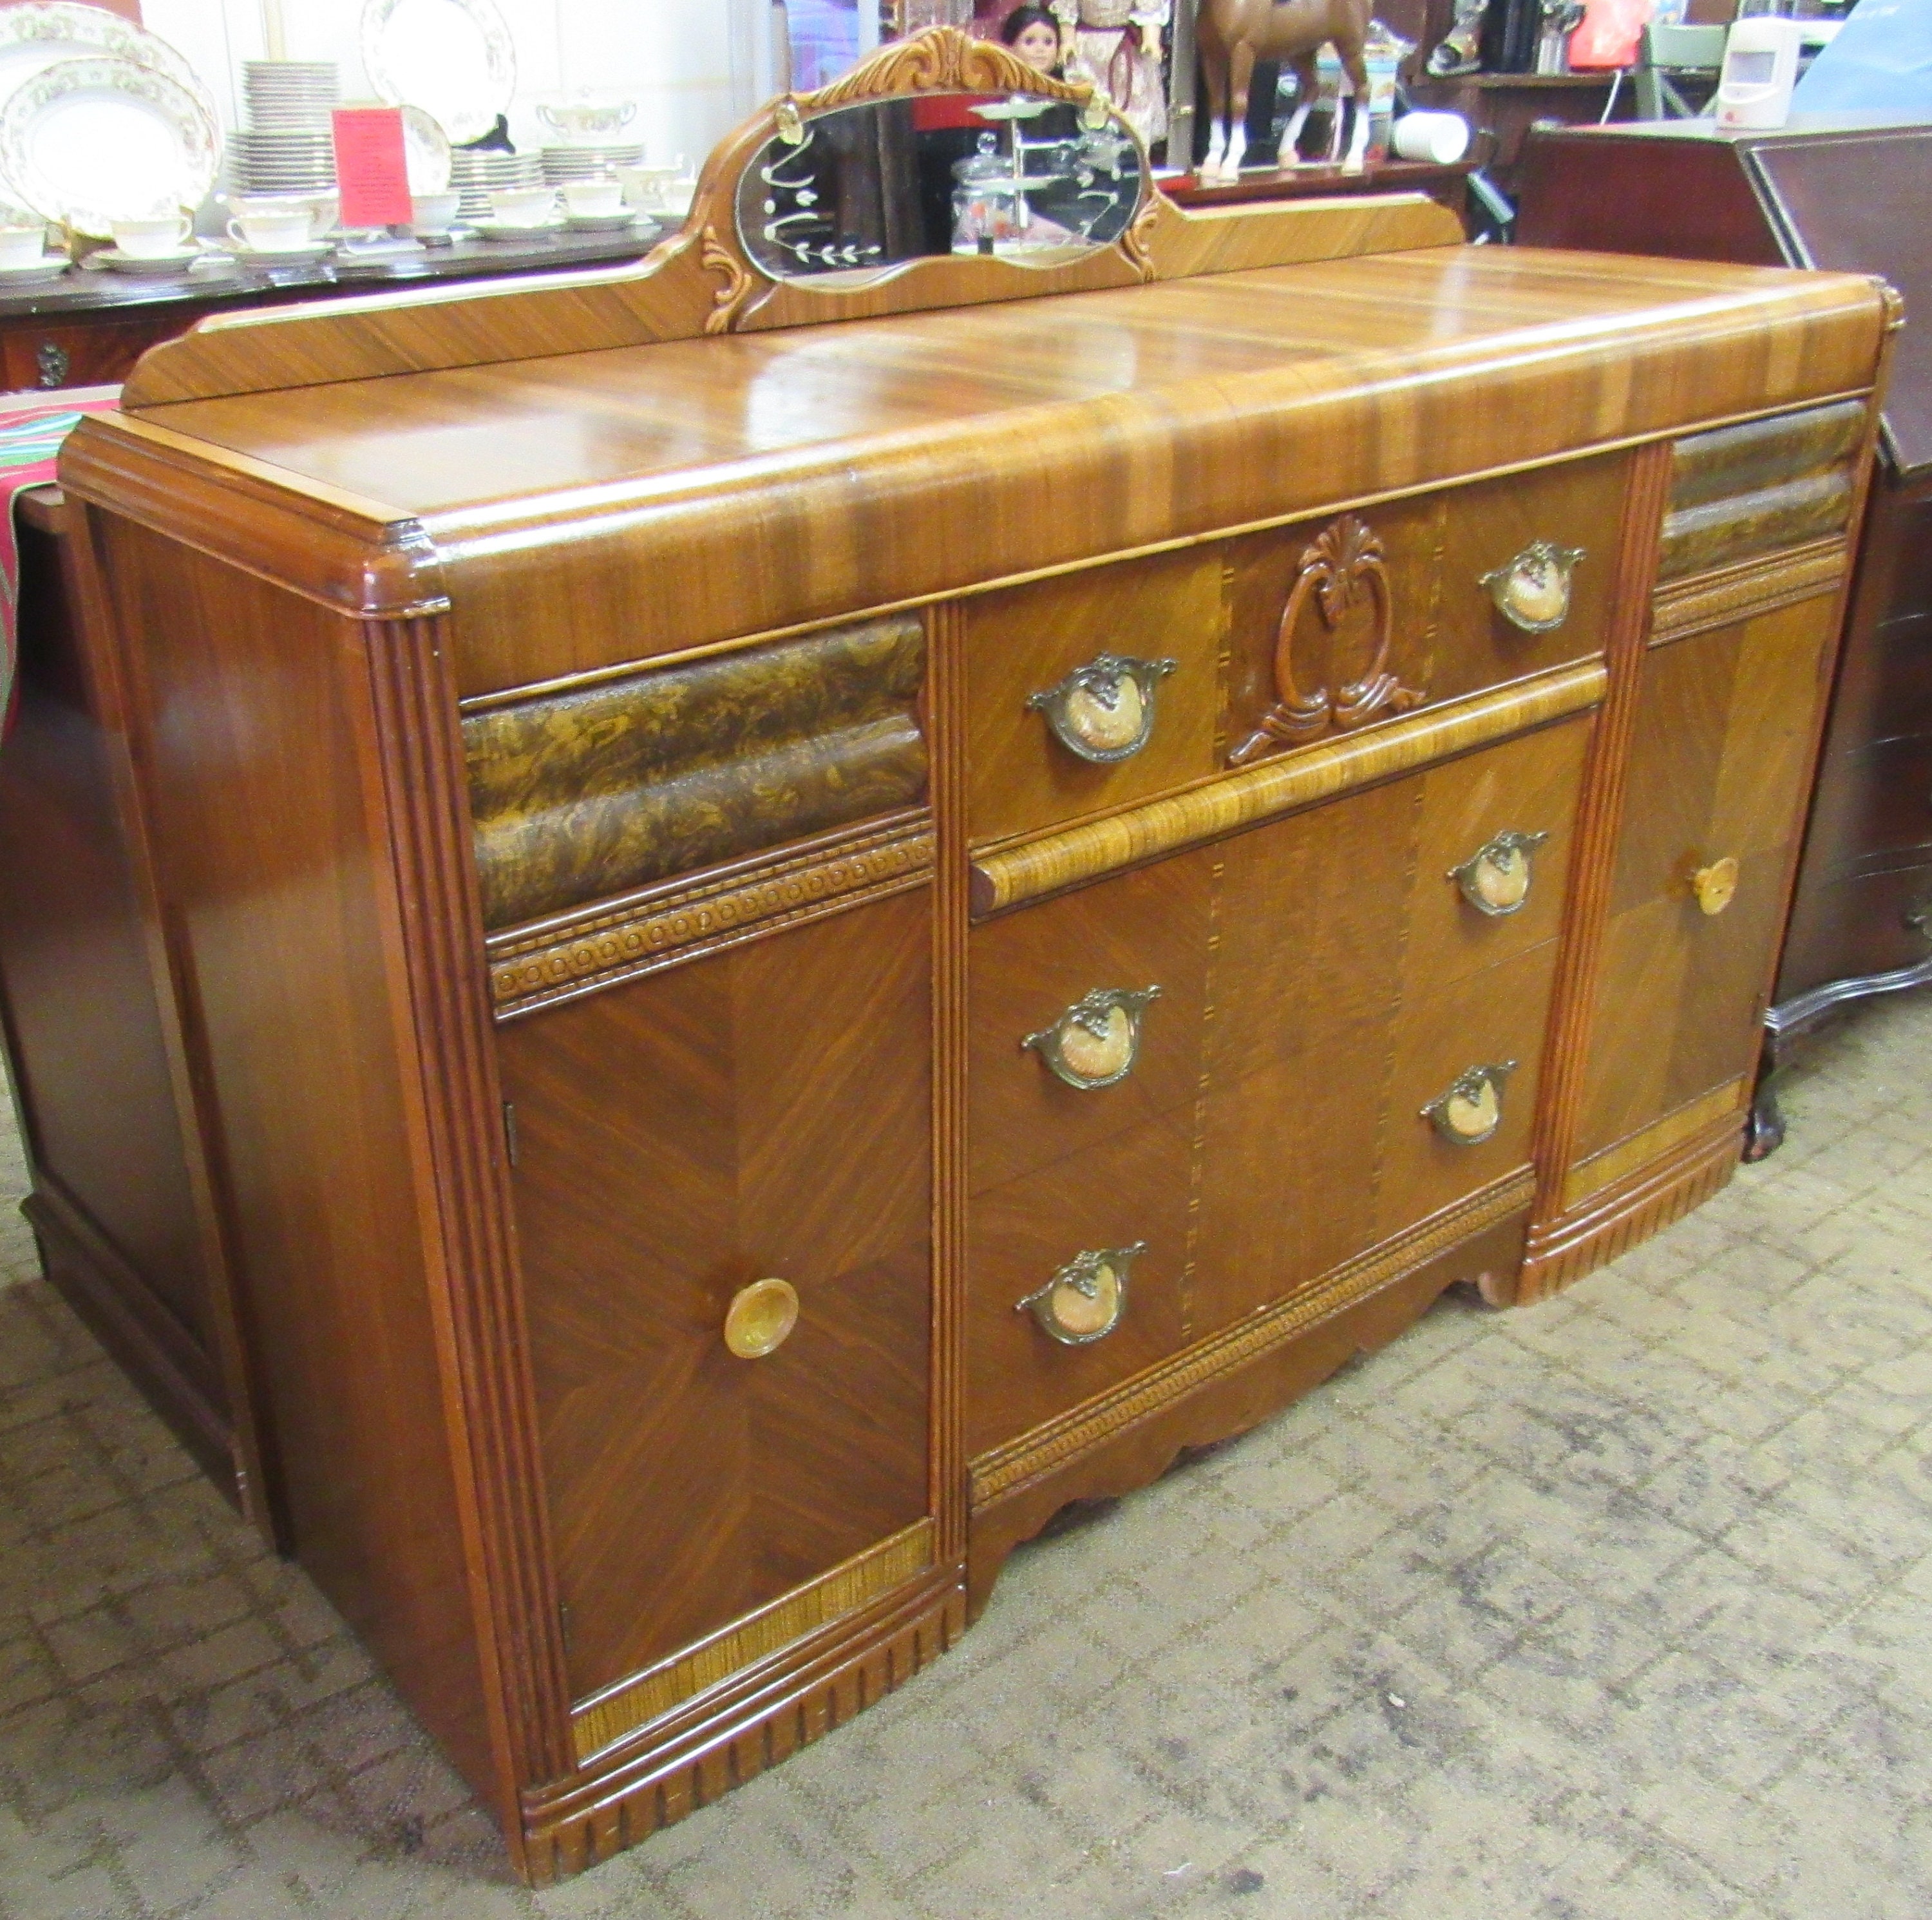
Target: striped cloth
(32,430)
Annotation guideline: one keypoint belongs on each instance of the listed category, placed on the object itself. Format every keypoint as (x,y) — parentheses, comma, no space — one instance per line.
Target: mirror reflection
(869,185)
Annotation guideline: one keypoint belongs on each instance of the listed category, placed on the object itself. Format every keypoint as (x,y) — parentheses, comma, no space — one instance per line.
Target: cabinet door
(1719,774)
(764,1113)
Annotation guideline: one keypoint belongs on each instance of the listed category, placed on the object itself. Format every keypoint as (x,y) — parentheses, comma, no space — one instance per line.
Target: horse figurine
(1233,34)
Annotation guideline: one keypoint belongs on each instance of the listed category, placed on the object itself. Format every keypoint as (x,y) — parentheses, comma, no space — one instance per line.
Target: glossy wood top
(794,475)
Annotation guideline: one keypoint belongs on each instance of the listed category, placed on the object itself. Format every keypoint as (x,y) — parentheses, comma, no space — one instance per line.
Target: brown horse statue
(1233,34)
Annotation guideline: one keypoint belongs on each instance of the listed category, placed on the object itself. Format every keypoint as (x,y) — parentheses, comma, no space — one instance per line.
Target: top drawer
(1108,687)
(1092,690)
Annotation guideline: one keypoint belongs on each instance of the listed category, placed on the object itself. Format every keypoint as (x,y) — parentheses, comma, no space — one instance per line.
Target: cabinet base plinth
(694,1756)
(1612,1220)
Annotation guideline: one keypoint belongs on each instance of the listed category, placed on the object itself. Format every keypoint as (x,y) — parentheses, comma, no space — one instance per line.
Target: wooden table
(91,325)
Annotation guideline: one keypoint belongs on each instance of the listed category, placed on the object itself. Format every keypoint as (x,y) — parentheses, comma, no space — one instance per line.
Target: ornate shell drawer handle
(1084,1300)
(1472,1108)
(760,1318)
(1532,591)
(1104,711)
(1495,879)
(1095,1041)
(1715,887)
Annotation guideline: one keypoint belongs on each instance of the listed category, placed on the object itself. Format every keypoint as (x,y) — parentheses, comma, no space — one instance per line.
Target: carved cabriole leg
(1764,1124)
(479,1310)
(1599,811)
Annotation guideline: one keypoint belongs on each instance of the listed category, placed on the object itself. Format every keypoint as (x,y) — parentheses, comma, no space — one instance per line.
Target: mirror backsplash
(879,182)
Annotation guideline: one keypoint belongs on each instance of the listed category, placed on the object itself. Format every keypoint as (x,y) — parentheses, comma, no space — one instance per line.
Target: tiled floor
(1616,1606)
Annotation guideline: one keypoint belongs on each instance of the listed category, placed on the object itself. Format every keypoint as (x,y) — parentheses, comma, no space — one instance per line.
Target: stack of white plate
(290,96)
(477,174)
(589,162)
(288,146)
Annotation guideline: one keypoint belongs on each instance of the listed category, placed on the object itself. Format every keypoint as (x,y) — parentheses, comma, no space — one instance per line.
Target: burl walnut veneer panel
(595,789)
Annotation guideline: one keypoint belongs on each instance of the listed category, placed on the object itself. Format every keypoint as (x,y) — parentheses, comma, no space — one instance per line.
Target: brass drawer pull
(1104,711)
(1715,886)
(1094,1042)
(1532,591)
(760,1318)
(1472,1109)
(1495,879)
(1084,1301)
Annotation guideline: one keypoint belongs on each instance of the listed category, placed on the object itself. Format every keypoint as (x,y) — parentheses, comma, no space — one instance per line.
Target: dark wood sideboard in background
(1820,196)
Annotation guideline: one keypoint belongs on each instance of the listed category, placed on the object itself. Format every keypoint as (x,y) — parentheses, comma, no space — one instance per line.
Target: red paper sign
(371,168)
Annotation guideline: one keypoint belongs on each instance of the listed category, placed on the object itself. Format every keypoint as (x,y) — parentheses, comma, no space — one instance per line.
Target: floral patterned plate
(91,142)
(454,58)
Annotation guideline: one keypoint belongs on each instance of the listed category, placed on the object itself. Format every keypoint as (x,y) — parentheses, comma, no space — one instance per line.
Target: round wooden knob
(760,1318)
(1533,591)
(1716,885)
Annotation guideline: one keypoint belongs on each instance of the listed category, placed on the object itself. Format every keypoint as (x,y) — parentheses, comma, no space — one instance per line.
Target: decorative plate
(426,151)
(454,58)
(91,142)
(34,36)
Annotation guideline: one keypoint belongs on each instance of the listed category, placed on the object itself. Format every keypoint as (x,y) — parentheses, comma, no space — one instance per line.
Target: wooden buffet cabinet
(796,922)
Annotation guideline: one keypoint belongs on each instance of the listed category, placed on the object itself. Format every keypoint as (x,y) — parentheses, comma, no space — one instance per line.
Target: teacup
(586,197)
(649,187)
(288,230)
(524,206)
(22,246)
(587,120)
(153,236)
(434,214)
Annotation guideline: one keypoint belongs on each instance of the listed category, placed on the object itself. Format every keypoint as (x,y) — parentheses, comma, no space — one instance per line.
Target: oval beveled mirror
(872,184)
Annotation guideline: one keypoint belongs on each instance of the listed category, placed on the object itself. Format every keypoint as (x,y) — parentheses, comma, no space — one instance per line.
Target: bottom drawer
(1850,927)
(1122,1313)
(1462,1096)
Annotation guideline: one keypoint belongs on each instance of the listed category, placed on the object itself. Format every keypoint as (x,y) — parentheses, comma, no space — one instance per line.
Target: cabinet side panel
(82,1015)
(250,729)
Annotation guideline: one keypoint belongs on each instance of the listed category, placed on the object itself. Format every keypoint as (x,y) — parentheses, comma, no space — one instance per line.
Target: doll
(1115,44)
(1033,34)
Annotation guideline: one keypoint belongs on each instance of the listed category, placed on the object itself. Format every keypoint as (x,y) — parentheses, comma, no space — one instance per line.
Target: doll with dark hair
(1033,34)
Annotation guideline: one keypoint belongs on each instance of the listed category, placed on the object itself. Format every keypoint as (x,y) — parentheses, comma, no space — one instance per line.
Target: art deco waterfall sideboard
(802,917)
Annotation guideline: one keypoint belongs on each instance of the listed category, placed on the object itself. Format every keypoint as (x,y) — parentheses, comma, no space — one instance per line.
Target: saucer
(309,250)
(497,230)
(602,222)
(49,266)
(121,262)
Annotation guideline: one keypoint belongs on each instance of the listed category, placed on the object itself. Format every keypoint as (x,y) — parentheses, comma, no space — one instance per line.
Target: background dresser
(809,916)
(1824,197)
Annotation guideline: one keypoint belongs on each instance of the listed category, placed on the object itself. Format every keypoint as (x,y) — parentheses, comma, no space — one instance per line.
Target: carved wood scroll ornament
(1344,565)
